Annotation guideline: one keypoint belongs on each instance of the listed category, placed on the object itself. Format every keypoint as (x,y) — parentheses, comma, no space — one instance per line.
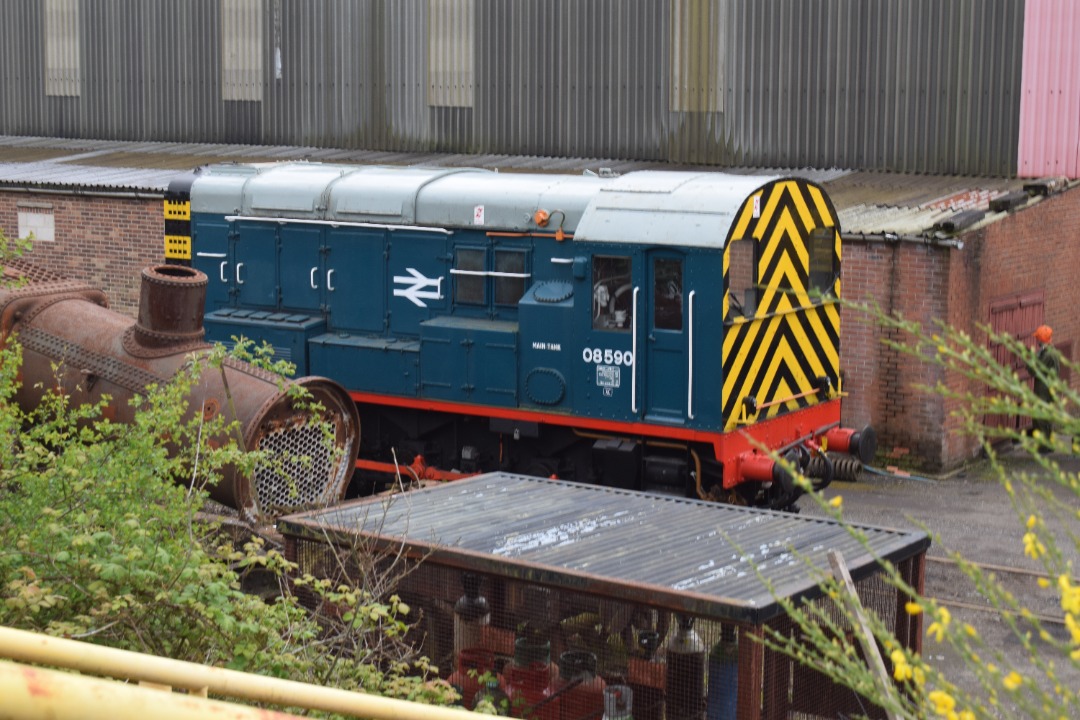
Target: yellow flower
(1070,595)
(901,667)
(1012,681)
(837,501)
(913,608)
(966,715)
(971,631)
(937,629)
(1033,547)
(1043,583)
(1032,521)
(1074,627)
(943,702)
(919,676)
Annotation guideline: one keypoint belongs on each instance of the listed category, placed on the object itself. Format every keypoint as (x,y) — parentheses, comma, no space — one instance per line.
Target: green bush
(103,540)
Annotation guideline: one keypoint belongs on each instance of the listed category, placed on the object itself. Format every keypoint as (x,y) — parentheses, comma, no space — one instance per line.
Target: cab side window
(612,294)
(668,294)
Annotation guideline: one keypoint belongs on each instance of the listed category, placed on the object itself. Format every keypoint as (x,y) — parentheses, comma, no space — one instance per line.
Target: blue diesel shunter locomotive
(655,330)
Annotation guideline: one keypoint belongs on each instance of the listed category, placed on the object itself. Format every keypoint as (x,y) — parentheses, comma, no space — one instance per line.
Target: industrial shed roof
(868,203)
(709,559)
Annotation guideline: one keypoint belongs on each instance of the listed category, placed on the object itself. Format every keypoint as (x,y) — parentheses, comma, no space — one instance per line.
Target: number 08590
(607,356)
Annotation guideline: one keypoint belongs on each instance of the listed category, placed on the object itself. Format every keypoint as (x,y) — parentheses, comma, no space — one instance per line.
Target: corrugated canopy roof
(688,555)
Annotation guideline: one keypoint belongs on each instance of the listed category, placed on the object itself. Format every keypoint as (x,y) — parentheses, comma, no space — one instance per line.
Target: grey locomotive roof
(668,208)
(688,209)
(676,553)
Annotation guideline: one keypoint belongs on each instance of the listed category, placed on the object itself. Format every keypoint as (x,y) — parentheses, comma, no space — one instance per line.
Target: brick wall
(1039,248)
(1035,248)
(103,241)
(883,385)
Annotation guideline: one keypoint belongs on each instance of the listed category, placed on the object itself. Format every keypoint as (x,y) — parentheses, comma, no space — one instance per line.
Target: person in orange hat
(1047,358)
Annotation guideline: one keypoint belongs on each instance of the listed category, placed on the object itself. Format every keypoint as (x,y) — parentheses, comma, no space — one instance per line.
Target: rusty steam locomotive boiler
(101,352)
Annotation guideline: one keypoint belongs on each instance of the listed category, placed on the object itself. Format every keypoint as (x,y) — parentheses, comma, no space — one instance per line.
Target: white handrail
(337,223)
(633,351)
(690,363)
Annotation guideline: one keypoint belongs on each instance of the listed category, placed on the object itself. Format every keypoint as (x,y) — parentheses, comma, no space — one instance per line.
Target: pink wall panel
(1050,90)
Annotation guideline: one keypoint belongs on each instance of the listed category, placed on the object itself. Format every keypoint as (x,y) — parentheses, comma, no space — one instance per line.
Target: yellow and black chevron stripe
(777,356)
(177,212)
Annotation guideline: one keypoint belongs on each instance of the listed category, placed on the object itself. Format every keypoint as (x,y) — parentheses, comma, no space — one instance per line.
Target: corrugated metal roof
(1049,142)
(928,86)
(911,205)
(868,203)
(57,174)
(709,559)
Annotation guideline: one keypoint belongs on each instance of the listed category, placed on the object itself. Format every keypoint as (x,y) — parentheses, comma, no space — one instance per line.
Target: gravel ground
(968,512)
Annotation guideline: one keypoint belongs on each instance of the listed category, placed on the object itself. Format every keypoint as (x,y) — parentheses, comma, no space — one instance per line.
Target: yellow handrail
(29,693)
(30,647)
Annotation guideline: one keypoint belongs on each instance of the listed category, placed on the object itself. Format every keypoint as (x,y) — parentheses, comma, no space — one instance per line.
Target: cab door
(666,344)
(210,243)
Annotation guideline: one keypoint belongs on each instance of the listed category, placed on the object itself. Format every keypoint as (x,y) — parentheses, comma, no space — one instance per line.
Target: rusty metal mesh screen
(556,654)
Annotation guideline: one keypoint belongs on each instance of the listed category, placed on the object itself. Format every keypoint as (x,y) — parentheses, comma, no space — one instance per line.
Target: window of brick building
(36,221)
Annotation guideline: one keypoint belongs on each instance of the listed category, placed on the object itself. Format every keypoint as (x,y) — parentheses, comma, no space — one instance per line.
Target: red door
(1017,315)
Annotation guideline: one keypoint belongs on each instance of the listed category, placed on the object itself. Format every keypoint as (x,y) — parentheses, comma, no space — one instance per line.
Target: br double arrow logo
(418,287)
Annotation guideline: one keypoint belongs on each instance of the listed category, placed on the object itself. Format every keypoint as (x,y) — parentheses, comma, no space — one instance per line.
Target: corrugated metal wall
(1050,109)
(904,85)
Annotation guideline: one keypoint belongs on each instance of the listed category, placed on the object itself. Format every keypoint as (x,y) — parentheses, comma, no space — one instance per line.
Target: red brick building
(1016,272)
(104,241)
